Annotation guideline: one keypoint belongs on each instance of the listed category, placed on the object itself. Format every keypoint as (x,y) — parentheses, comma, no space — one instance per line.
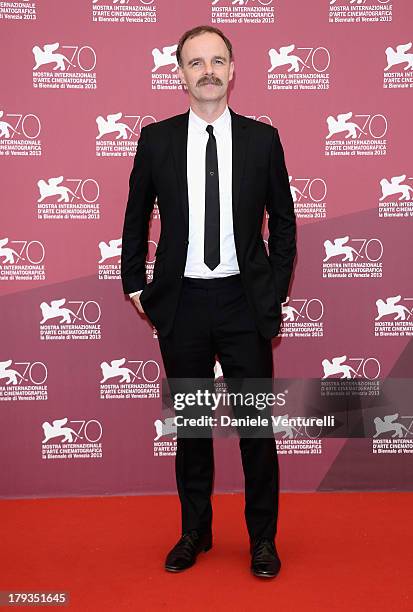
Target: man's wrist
(135,293)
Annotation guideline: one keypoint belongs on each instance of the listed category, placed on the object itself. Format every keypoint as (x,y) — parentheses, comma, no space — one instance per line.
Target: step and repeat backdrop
(80,369)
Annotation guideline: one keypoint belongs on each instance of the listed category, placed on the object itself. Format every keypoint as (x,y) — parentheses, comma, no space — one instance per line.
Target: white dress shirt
(195,266)
(197,141)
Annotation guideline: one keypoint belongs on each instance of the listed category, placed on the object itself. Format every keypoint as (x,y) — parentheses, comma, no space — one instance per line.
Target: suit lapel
(179,147)
(240,135)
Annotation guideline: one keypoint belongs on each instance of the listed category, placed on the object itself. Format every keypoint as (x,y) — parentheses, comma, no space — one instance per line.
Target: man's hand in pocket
(136,300)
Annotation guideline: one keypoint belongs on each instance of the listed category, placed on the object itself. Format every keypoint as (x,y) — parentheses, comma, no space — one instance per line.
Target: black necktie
(211,229)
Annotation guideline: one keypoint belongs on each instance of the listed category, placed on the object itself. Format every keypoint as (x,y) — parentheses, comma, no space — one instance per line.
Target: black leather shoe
(265,562)
(185,551)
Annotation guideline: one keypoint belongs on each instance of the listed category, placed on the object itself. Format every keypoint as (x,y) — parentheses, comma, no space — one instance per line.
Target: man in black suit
(215,291)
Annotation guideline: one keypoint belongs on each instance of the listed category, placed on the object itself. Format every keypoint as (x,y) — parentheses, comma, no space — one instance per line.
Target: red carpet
(340,551)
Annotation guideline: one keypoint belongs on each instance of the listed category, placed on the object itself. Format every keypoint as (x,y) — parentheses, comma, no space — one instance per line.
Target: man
(215,291)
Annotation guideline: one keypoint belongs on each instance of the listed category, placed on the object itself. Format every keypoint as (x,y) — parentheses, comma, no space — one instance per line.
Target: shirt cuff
(135,293)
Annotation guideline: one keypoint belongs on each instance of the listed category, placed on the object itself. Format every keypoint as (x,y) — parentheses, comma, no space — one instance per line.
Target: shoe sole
(259,575)
(175,570)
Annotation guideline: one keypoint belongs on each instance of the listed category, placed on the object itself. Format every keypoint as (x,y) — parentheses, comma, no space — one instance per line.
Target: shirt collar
(220,124)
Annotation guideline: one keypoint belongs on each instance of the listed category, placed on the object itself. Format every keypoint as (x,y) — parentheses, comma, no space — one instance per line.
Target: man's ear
(181,76)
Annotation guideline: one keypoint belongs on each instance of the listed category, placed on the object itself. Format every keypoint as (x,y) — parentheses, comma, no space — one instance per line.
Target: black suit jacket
(259,180)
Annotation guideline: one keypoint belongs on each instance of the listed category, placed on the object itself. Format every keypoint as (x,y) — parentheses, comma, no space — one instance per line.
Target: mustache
(206,81)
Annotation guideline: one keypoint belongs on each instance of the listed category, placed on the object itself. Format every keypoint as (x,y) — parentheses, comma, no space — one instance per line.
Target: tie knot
(210,129)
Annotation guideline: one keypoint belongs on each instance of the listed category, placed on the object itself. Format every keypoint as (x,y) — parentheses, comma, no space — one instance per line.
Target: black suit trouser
(213,318)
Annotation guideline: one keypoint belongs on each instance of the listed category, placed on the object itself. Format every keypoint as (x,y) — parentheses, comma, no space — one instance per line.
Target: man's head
(205,63)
